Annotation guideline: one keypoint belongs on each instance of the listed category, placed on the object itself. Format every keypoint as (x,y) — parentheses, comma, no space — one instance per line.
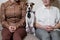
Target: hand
(48,28)
(55,27)
(12,28)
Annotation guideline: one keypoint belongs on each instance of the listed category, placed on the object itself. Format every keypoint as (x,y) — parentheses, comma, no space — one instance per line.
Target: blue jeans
(44,35)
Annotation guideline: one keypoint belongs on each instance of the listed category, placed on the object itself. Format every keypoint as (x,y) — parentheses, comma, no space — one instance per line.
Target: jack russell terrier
(30,19)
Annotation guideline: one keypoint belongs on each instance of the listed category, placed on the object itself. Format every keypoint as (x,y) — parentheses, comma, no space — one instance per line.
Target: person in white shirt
(47,21)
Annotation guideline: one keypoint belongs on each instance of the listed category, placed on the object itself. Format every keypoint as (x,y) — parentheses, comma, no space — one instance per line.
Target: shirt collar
(46,8)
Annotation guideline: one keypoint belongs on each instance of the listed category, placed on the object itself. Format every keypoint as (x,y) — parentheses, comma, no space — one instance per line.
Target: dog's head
(29,6)
(29,9)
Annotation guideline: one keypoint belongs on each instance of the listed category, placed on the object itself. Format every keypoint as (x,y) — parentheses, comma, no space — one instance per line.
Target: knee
(55,33)
(15,34)
(37,33)
(20,33)
(6,34)
(45,36)
(41,34)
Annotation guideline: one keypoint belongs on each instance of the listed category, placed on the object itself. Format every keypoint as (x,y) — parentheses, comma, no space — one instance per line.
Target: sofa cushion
(31,37)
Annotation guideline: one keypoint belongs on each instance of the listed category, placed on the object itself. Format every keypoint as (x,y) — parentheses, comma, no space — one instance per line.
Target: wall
(1,1)
(39,3)
(56,3)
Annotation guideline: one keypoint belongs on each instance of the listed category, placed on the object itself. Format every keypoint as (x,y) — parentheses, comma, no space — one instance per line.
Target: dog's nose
(29,8)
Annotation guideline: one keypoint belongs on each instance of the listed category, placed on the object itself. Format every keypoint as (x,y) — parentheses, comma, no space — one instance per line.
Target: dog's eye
(27,5)
(31,5)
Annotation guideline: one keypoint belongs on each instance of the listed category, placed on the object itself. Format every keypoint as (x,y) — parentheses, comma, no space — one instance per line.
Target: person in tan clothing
(13,20)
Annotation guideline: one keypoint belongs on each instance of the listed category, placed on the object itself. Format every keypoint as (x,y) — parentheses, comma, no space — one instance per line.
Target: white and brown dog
(30,19)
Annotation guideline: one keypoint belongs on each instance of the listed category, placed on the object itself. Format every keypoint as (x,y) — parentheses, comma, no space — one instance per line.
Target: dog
(30,19)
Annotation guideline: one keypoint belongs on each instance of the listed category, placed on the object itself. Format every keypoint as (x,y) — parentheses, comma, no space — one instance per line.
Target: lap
(20,31)
(5,31)
(44,34)
(55,35)
(41,31)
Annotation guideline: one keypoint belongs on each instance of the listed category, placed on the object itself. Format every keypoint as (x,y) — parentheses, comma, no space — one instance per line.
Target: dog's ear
(32,4)
(26,4)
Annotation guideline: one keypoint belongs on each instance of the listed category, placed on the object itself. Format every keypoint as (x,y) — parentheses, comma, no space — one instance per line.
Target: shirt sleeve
(58,16)
(3,21)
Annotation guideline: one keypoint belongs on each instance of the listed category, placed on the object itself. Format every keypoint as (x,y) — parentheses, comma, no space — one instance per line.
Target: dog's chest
(31,18)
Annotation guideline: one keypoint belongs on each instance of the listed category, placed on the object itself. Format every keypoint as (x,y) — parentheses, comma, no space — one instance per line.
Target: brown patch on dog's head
(32,4)
(29,6)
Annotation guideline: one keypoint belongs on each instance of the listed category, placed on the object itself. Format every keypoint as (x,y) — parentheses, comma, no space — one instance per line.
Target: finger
(50,29)
(12,30)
